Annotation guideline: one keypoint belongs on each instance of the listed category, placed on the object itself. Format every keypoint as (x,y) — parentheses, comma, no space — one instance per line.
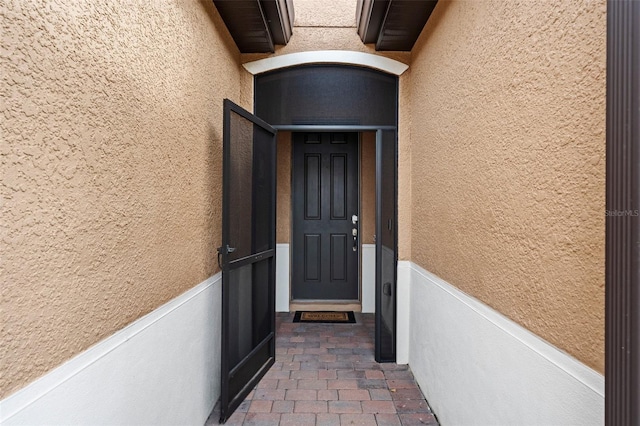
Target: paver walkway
(325,374)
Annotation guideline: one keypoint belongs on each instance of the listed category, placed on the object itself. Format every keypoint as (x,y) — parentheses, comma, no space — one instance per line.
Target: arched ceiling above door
(344,57)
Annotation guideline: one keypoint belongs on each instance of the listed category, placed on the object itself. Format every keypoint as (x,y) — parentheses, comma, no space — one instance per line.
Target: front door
(247,255)
(325,247)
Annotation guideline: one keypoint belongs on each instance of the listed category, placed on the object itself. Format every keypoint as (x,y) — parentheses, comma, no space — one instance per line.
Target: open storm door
(247,254)
(386,245)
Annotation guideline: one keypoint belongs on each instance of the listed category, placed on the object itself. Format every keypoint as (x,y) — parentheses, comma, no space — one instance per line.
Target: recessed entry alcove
(337,161)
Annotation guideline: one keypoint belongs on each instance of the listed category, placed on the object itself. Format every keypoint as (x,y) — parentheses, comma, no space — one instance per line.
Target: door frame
(358,129)
(325,304)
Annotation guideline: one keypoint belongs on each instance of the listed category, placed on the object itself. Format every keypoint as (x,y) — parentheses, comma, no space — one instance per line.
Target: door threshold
(324,306)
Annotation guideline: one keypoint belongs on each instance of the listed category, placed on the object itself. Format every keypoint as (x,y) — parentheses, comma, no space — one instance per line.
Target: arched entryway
(338,101)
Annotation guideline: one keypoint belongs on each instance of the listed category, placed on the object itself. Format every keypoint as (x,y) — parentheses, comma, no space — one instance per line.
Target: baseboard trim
(106,364)
(324,306)
(478,367)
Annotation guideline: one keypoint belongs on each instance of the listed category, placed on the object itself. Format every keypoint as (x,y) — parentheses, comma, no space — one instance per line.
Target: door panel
(339,189)
(325,197)
(313,192)
(247,254)
(338,257)
(386,245)
(312,250)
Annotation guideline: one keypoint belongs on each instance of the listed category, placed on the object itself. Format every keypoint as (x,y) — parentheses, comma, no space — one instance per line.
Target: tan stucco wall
(405,178)
(111,167)
(367,187)
(283,201)
(508,153)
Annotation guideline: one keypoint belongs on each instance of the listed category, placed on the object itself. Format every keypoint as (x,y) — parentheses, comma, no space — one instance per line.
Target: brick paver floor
(325,374)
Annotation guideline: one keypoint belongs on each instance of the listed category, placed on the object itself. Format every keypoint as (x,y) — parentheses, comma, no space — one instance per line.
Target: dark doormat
(325,316)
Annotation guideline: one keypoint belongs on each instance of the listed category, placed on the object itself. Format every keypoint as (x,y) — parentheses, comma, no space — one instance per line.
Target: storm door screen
(386,245)
(247,254)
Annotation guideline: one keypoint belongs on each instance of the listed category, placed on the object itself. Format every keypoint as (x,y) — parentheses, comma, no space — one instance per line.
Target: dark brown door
(247,255)
(325,216)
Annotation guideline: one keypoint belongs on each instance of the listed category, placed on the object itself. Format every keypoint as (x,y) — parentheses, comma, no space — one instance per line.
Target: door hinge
(224,251)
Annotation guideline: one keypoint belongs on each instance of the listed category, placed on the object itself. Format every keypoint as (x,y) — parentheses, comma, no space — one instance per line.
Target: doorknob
(386,289)
(354,232)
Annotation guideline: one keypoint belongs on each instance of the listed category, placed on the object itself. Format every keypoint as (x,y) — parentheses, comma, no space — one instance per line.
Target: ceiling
(257,26)
(393,24)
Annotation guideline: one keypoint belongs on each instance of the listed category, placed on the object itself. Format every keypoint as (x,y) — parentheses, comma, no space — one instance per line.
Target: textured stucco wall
(405,178)
(508,153)
(367,187)
(111,167)
(283,201)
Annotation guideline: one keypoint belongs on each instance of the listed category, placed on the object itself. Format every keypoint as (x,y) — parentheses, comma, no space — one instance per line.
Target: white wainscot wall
(368,277)
(282,277)
(163,369)
(477,367)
